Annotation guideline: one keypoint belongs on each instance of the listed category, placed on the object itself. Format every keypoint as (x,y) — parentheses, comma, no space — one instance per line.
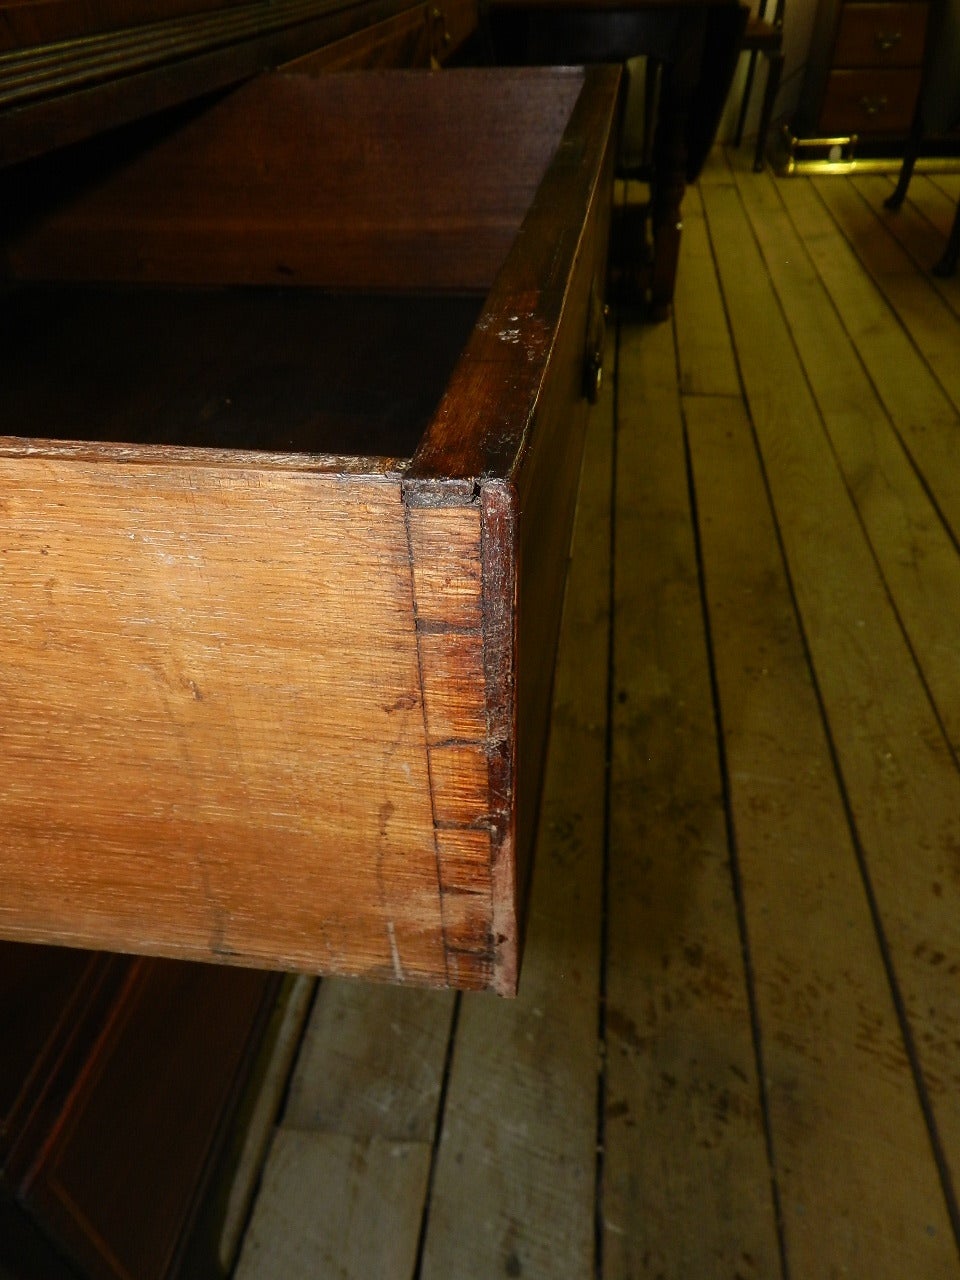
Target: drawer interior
(292,402)
(294,268)
(254,367)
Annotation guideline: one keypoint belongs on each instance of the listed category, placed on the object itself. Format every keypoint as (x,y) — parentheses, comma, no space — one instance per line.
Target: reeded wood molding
(67,65)
(55,94)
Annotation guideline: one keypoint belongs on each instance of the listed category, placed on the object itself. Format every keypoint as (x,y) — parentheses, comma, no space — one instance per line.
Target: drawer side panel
(212,739)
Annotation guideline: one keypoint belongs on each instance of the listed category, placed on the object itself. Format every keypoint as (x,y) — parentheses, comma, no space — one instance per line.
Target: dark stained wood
(101,75)
(696,46)
(428,34)
(406,39)
(264,208)
(870,101)
(24,23)
(53,1001)
(229,368)
(527,303)
(122,1112)
(99,1166)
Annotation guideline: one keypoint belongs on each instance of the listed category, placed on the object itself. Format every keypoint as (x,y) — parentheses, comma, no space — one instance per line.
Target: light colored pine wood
(912,295)
(920,227)
(360,1119)
(513,1189)
(706,363)
(290,1017)
(858,1191)
(686,1189)
(900,779)
(334,1207)
(917,557)
(371,1063)
(716,169)
(927,196)
(925,417)
(949,184)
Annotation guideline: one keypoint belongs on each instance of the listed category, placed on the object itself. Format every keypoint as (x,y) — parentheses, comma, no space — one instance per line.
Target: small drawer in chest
(874,78)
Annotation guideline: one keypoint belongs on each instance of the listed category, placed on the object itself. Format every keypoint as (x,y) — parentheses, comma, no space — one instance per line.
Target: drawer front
(870,102)
(123,1169)
(881,35)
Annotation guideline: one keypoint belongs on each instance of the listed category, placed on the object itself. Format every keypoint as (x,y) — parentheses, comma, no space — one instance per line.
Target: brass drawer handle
(873,106)
(886,40)
(439,19)
(597,314)
(593,376)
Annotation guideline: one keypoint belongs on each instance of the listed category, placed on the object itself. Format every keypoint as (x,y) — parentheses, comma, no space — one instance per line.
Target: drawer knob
(873,106)
(886,40)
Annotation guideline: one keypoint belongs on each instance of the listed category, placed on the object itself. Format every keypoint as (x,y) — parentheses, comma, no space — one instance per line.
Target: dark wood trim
(56,94)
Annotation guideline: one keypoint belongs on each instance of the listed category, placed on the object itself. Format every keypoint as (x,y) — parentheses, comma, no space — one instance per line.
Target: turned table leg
(681,77)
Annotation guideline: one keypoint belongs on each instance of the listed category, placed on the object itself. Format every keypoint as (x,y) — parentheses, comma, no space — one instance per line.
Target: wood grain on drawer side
(214,743)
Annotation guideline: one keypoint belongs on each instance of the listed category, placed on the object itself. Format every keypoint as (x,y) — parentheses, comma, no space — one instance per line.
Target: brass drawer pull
(439,19)
(873,106)
(593,376)
(597,314)
(886,40)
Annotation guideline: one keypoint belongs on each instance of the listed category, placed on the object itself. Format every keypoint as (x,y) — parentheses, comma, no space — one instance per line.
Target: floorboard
(912,295)
(515,1177)
(923,416)
(686,1188)
(736,1049)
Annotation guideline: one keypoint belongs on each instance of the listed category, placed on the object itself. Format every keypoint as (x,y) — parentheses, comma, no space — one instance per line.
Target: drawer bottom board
(273,369)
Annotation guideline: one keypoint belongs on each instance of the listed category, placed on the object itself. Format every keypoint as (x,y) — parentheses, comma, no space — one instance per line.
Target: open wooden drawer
(292,395)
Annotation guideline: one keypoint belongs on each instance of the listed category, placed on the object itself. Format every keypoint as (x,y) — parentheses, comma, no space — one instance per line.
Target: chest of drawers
(864,71)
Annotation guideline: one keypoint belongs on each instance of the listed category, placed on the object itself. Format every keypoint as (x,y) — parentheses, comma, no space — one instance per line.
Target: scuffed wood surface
(321,1190)
(683,1129)
(213,738)
(361,1115)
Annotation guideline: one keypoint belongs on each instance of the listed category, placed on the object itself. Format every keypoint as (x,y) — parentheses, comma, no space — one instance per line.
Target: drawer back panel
(382,181)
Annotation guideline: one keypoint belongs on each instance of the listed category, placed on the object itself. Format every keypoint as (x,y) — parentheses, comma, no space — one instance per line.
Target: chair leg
(910,152)
(948,263)
(774,72)
(745,100)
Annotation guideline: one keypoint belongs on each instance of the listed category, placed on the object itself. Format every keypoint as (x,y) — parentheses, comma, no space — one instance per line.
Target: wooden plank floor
(736,1049)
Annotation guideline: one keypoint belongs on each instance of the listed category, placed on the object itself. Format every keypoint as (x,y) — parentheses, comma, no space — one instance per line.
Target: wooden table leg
(669,180)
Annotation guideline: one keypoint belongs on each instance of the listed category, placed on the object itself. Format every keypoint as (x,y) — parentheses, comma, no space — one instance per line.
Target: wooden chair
(762,35)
